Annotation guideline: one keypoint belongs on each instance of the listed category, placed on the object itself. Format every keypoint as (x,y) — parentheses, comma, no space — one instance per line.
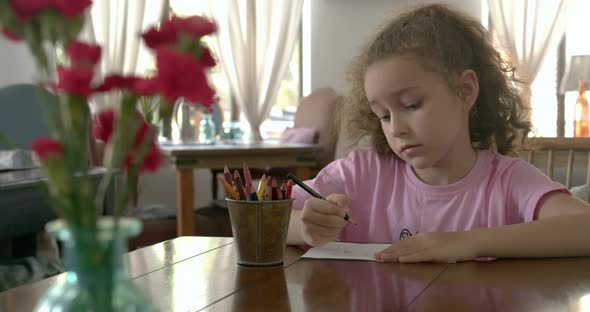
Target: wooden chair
(545,154)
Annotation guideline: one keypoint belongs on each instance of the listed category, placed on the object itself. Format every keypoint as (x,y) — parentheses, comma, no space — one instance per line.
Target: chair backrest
(565,160)
(22,113)
(317,111)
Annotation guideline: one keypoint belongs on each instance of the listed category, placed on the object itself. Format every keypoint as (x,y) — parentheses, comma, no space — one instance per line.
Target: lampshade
(577,69)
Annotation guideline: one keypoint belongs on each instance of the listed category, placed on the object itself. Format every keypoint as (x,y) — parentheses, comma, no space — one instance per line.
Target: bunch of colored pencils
(268,188)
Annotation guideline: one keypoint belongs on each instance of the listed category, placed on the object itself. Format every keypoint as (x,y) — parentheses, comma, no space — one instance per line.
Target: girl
(441,111)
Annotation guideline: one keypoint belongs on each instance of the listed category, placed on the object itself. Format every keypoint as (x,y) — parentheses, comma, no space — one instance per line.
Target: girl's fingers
(397,250)
(331,221)
(314,229)
(339,200)
(324,207)
(322,220)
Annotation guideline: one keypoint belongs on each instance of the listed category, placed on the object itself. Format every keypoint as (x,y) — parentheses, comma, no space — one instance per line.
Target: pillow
(298,135)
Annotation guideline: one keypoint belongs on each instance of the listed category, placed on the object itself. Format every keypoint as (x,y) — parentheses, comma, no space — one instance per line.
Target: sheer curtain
(117,26)
(254,44)
(528,29)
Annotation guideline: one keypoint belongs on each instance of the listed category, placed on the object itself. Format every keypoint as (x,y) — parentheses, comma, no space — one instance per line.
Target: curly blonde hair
(447,42)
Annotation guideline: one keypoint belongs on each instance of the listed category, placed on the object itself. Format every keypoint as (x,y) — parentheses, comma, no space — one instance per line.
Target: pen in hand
(313,193)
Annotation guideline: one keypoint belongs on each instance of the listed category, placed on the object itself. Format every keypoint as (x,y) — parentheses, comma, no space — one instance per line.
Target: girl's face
(424,120)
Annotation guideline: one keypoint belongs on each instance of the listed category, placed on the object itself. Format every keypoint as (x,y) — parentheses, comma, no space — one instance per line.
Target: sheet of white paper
(347,251)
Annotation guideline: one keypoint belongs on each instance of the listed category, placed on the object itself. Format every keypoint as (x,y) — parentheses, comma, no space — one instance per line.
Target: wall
(339,28)
(16,63)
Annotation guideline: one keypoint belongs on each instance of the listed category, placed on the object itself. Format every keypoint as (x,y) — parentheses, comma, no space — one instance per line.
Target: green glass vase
(97,278)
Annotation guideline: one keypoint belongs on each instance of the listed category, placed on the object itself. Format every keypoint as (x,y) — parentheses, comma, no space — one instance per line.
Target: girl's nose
(398,127)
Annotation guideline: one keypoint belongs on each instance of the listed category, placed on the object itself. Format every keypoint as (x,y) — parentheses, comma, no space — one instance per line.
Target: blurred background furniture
(27,253)
(187,157)
(565,160)
(22,117)
(25,207)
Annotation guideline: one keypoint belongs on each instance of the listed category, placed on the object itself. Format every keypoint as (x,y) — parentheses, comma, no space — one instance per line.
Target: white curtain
(254,43)
(528,29)
(117,26)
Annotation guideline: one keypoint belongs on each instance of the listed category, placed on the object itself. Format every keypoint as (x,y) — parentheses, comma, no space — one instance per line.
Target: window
(283,110)
(576,43)
(544,88)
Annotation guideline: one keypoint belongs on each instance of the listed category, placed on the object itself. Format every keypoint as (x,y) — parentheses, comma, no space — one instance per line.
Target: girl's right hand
(322,220)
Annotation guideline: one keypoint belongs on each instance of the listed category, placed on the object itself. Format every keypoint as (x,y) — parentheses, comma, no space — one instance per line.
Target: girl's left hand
(447,247)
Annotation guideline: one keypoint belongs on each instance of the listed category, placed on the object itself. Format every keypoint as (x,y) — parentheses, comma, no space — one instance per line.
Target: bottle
(581,118)
(186,126)
(207,129)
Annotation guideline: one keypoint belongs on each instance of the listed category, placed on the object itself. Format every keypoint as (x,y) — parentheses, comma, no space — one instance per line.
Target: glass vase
(97,278)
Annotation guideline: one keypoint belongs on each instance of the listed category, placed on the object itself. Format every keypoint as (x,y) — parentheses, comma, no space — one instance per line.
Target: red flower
(27,9)
(103,129)
(151,162)
(153,159)
(46,148)
(148,86)
(206,57)
(197,26)
(180,75)
(71,8)
(75,80)
(155,38)
(116,81)
(167,34)
(82,53)
(11,35)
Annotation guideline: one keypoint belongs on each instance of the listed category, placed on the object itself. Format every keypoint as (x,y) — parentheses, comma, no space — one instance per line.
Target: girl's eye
(384,118)
(412,106)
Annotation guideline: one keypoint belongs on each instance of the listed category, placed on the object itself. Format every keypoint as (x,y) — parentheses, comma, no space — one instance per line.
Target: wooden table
(201,274)
(187,157)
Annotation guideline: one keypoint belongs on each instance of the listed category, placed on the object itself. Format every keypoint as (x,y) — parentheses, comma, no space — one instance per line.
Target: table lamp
(576,77)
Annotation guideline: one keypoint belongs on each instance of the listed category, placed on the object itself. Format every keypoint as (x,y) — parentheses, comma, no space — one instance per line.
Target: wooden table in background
(187,157)
(201,274)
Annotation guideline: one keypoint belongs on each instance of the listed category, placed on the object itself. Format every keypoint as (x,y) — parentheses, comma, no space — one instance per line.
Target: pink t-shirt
(389,202)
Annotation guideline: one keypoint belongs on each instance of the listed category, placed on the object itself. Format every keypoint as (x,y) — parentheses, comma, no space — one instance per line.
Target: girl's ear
(468,88)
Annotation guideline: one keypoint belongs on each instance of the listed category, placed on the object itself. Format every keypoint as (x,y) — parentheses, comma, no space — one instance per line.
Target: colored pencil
(268,188)
(275,189)
(229,190)
(227,175)
(289,188)
(247,178)
(261,187)
(238,182)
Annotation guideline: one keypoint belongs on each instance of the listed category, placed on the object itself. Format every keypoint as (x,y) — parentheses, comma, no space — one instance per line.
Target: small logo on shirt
(405,233)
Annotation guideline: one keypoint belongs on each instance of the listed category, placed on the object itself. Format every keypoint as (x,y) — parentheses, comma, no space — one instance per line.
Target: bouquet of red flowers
(182,61)
(130,147)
